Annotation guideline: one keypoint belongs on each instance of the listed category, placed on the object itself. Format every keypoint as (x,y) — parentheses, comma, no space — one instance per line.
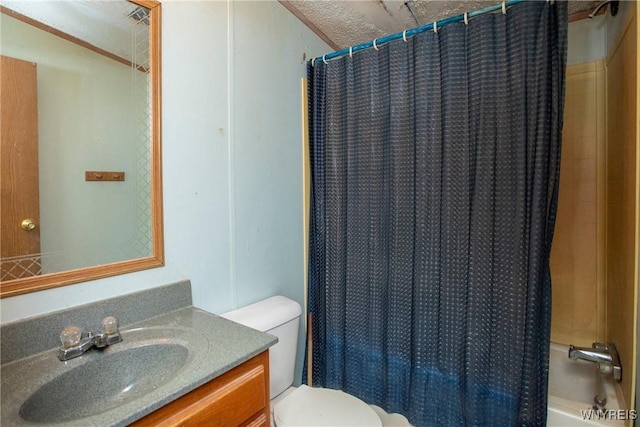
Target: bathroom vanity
(176,365)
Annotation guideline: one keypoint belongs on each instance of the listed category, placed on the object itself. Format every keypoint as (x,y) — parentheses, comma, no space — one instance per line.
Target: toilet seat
(307,406)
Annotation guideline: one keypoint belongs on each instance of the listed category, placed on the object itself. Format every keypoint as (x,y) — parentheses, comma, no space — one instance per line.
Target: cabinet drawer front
(238,397)
(236,401)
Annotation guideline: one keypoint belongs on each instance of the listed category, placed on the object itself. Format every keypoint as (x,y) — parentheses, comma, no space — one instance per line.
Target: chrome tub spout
(605,356)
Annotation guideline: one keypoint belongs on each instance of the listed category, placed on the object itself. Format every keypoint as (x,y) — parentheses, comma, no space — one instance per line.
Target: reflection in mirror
(80,159)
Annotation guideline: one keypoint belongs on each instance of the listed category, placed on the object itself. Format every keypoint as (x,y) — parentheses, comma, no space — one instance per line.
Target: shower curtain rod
(434,26)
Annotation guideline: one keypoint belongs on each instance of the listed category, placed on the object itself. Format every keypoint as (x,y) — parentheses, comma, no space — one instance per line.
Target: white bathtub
(572,386)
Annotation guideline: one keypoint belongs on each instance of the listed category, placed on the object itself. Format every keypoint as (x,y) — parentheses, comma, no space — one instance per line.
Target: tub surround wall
(577,254)
(637,320)
(622,193)
(594,261)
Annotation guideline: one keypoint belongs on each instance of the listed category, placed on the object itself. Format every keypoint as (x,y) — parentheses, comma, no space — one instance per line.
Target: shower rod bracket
(613,8)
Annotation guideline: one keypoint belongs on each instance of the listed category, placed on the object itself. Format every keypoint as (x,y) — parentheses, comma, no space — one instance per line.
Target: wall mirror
(80,166)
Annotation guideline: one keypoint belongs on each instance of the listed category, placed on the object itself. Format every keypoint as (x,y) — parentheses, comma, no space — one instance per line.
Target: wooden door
(19,194)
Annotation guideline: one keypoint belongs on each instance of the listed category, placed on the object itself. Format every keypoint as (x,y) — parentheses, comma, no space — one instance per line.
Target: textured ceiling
(347,23)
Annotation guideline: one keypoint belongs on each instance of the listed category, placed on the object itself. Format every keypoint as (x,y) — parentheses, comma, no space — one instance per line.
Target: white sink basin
(147,366)
(104,382)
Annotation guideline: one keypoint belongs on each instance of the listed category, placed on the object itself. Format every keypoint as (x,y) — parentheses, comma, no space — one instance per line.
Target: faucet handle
(110,325)
(110,333)
(70,337)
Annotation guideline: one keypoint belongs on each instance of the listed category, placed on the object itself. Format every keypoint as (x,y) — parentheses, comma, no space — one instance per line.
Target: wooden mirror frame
(25,285)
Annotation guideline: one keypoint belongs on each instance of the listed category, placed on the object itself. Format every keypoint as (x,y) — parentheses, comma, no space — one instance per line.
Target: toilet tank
(277,316)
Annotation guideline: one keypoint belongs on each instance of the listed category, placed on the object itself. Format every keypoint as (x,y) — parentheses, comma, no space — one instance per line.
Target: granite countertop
(215,345)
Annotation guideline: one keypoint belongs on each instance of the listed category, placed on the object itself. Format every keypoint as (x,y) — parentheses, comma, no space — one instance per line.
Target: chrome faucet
(604,355)
(75,342)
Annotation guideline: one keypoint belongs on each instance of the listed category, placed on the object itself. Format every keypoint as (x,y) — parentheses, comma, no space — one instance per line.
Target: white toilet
(304,406)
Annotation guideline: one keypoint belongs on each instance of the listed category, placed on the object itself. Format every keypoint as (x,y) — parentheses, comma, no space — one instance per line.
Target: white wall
(593,39)
(232,168)
(587,39)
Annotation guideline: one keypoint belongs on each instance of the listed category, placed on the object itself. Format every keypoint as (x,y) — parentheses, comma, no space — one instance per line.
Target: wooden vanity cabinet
(239,397)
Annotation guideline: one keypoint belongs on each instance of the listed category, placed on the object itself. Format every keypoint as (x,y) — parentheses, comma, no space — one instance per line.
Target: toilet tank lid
(267,314)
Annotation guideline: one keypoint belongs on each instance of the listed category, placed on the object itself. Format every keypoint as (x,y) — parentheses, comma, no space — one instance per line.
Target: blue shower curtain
(435,168)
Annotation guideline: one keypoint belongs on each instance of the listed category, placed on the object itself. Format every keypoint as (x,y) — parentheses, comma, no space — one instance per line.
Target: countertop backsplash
(36,334)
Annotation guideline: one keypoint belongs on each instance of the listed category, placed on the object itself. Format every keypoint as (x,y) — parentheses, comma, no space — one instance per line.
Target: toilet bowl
(304,406)
(307,406)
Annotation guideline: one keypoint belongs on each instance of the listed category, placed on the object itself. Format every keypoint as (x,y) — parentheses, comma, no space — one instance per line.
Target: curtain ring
(466,18)
(324,60)
(313,61)
(435,27)
(404,36)
(375,46)
(350,51)
(504,7)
